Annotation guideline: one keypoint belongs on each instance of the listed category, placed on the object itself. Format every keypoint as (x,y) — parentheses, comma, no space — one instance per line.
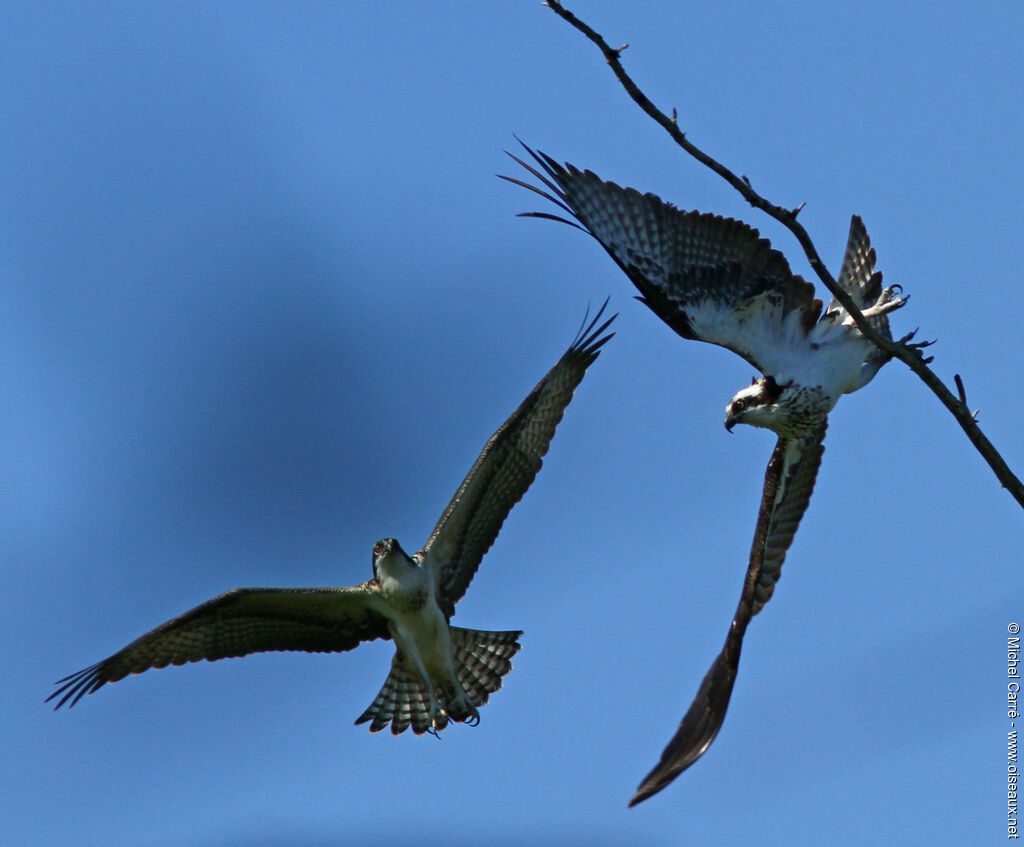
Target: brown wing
(239,622)
(505,469)
(788,483)
(710,278)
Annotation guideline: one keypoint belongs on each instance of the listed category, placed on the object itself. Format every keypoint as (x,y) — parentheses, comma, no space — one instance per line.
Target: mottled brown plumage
(715,279)
(777,523)
(505,469)
(439,672)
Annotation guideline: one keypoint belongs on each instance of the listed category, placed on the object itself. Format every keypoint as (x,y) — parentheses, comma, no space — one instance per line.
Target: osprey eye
(378,548)
(740,405)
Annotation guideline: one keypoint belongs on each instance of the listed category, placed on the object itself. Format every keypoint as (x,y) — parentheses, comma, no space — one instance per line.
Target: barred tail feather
(482,659)
(402,701)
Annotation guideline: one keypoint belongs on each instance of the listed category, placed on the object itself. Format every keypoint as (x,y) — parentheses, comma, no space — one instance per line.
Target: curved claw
(906,340)
(917,346)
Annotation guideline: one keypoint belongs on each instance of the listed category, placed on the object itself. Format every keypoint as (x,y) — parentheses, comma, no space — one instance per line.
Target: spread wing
(710,278)
(788,483)
(505,469)
(239,622)
(859,279)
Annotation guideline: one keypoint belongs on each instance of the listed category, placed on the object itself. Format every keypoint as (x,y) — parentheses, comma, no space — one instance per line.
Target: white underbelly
(425,634)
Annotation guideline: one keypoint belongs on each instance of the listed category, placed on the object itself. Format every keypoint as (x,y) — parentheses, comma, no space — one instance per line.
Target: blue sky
(263,302)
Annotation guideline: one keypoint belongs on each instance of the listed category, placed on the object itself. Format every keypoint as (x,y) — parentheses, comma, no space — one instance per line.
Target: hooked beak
(730,422)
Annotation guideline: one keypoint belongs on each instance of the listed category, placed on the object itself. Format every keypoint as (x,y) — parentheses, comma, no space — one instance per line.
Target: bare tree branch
(909,354)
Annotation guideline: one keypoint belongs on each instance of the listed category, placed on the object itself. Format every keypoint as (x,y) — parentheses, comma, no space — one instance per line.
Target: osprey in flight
(715,279)
(439,672)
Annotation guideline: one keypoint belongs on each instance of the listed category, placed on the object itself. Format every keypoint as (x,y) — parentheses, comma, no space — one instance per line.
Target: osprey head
(757,404)
(384,549)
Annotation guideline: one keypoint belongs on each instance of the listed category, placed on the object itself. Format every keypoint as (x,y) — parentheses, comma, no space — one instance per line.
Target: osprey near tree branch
(715,279)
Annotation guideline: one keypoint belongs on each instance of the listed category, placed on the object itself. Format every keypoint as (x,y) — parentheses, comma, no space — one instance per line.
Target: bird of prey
(715,279)
(439,672)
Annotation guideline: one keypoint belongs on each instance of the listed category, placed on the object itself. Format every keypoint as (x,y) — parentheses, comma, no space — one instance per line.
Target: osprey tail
(481,660)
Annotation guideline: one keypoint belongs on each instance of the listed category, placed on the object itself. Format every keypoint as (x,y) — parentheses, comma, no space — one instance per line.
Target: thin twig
(963,395)
(960,388)
(910,355)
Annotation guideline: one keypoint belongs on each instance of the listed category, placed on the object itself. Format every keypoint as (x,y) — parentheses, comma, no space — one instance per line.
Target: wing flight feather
(710,278)
(239,622)
(506,467)
(789,481)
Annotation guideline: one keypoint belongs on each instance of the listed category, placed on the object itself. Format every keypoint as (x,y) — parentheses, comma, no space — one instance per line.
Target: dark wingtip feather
(557,196)
(75,686)
(550,217)
(699,725)
(588,341)
(550,174)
